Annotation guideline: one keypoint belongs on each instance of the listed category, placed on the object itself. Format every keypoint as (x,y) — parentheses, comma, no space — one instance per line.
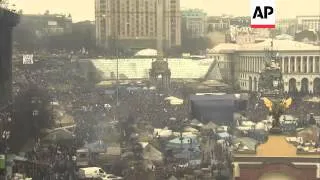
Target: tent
(97,147)
(58,136)
(219,108)
(190,129)
(174,100)
(223,135)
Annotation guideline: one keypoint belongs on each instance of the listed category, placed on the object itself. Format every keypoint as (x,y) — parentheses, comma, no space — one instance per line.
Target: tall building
(194,21)
(286,26)
(46,24)
(133,23)
(308,23)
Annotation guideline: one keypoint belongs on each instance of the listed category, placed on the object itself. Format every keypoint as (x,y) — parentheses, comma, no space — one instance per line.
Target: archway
(250,84)
(277,176)
(292,86)
(255,88)
(316,86)
(304,86)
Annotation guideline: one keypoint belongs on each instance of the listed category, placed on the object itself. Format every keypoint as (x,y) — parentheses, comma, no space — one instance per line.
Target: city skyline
(85,10)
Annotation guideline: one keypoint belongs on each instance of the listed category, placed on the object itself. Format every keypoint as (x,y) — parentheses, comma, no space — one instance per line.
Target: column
(308,70)
(246,59)
(295,64)
(301,64)
(254,64)
(282,66)
(318,64)
(251,64)
(314,64)
(289,64)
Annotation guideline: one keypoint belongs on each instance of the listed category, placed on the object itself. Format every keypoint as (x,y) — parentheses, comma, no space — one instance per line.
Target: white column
(318,64)
(301,64)
(246,59)
(314,64)
(295,64)
(251,63)
(282,66)
(254,64)
(308,70)
(289,64)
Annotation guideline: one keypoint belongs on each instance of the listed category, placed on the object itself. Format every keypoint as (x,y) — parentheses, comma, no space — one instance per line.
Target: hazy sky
(84,9)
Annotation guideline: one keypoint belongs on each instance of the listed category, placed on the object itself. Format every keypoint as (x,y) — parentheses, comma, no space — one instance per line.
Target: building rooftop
(224,48)
(279,45)
(276,146)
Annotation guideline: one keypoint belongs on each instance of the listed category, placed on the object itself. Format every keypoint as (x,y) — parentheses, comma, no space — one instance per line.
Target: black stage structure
(218,108)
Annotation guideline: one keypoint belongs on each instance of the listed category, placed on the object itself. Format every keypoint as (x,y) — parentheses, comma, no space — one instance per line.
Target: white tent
(190,129)
(173,100)
(146,52)
(248,123)
(162,132)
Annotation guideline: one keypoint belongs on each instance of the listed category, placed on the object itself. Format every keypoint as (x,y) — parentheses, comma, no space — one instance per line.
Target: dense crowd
(91,106)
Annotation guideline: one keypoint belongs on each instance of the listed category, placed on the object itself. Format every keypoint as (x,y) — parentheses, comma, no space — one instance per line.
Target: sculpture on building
(270,81)
(276,109)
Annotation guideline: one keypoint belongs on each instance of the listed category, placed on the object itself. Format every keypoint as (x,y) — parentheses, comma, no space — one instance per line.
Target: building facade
(286,26)
(308,23)
(133,24)
(299,62)
(223,23)
(46,24)
(194,21)
(276,159)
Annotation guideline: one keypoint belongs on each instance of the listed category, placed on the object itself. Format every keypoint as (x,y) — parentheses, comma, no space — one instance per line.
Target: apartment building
(194,21)
(133,23)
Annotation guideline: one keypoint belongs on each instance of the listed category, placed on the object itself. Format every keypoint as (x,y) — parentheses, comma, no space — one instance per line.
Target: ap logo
(263,14)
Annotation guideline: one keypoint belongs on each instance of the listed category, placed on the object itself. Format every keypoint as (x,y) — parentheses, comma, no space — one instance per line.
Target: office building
(133,23)
(194,22)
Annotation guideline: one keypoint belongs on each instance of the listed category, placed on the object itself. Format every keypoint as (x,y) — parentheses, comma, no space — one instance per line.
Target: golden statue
(276,109)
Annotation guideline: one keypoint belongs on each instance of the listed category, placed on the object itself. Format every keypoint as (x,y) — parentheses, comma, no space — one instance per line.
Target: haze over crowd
(84,9)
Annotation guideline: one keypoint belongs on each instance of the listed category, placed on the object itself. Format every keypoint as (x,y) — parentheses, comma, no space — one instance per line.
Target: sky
(84,9)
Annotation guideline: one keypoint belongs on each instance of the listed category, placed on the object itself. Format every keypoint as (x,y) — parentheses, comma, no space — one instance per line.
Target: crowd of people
(89,106)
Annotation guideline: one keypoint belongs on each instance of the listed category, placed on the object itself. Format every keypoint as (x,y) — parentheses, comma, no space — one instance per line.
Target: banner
(27,59)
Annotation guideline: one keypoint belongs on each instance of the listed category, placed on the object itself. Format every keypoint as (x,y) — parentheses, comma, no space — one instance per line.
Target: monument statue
(276,109)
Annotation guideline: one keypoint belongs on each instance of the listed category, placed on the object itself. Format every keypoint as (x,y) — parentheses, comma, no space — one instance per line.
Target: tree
(31,113)
(305,35)
(25,38)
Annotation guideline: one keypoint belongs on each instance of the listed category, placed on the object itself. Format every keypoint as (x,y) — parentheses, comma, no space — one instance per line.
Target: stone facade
(276,159)
(299,62)
(136,21)
(256,172)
